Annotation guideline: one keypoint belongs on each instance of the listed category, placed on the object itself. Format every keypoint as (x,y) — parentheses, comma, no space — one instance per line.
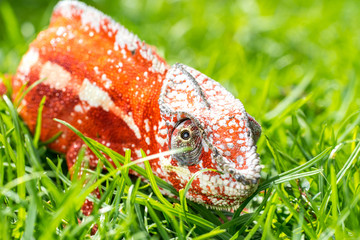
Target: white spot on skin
(28,60)
(160,140)
(138,153)
(230,145)
(91,18)
(147,140)
(94,95)
(240,159)
(107,82)
(222,122)
(232,123)
(96,69)
(205,146)
(55,76)
(128,119)
(123,52)
(147,126)
(157,66)
(124,38)
(60,31)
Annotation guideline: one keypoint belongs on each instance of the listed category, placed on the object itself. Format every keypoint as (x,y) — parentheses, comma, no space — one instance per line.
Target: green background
(293,64)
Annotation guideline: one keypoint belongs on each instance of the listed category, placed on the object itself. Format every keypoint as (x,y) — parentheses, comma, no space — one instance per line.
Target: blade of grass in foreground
(350,162)
(253,216)
(269,207)
(339,176)
(22,94)
(20,158)
(290,207)
(156,219)
(193,219)
(211,234)
(153,184)
(39,122)
(88,143)
(46,181)
(184,191)
(334,199)
(94,146)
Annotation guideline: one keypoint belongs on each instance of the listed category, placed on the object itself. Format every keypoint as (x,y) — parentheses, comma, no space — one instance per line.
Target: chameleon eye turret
(228,138)
(186,135)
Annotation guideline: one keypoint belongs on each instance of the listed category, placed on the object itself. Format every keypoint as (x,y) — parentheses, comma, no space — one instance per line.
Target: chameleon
(114,88)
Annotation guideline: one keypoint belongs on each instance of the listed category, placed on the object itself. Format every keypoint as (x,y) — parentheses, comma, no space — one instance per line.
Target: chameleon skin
(114,88)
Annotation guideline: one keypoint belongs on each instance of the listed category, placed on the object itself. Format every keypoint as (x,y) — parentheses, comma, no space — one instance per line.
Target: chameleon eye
(186,135)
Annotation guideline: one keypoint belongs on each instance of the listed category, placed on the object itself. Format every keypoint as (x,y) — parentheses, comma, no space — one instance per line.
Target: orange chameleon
(115,89)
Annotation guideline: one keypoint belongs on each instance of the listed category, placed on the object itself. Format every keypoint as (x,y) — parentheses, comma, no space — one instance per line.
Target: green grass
(293,64)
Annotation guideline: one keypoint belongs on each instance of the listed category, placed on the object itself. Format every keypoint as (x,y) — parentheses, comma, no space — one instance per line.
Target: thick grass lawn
(294,65)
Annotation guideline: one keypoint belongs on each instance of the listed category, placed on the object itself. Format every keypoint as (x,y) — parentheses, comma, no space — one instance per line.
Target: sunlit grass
(294,65)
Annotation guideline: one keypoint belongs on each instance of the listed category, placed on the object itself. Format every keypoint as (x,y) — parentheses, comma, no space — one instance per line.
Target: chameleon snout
(248,176)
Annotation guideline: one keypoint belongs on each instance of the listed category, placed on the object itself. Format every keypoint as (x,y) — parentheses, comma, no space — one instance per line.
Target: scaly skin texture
(114,88)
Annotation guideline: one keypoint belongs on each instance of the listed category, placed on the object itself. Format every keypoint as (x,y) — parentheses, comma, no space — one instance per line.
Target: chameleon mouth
(227,190)
(214,190)
(222,194)
(247,176)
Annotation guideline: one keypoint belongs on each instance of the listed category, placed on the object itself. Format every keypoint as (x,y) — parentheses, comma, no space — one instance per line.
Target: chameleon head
(198,113)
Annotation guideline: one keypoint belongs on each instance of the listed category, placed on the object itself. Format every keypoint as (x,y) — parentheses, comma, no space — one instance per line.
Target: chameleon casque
(115,89)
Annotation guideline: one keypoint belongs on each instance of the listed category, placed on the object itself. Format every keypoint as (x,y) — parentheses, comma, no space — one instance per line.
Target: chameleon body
(114,88)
